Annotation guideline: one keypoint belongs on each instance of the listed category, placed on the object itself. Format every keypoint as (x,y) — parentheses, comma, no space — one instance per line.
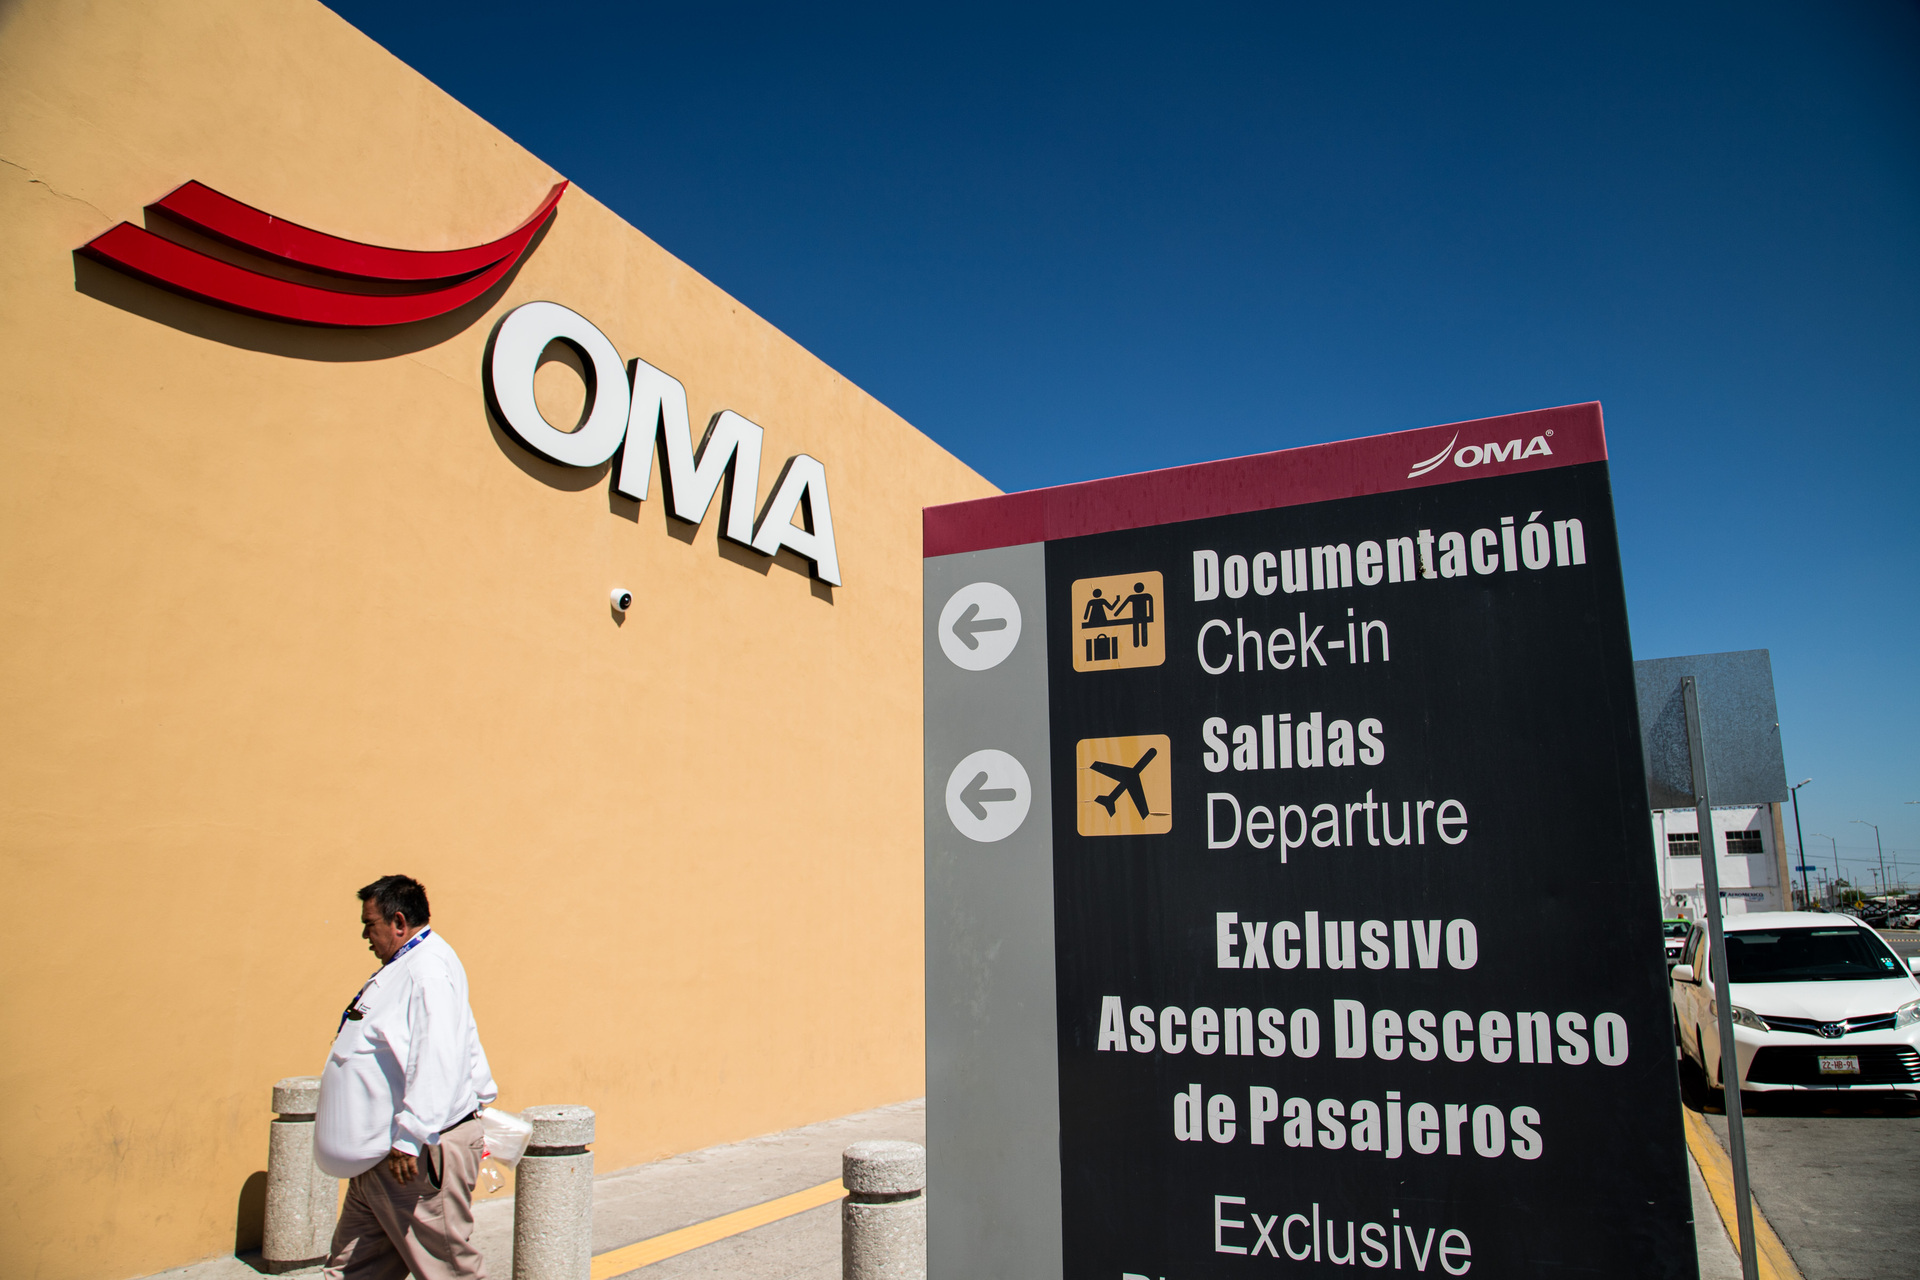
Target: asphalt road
(1905,942)
(1839,1179)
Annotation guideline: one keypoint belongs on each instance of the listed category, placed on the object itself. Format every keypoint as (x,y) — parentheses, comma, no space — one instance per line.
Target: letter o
(1489,1132)
(1233,576)
(1534,550)
(1306,1032)
(1460,458)
(514,354)
(1610,1039)
(1463,944)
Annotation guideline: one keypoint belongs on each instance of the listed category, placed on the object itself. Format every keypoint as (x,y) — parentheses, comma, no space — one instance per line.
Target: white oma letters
(1474,454)
(638,405)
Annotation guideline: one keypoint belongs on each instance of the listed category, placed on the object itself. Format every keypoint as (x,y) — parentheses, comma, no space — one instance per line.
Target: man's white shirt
(407,1068)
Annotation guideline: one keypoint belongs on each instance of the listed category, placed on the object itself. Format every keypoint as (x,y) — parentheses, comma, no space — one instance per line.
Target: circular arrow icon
(987,796)
(979,626)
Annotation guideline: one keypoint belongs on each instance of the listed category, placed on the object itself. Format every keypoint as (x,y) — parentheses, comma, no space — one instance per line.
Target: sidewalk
(648,1200)
(1711,1239)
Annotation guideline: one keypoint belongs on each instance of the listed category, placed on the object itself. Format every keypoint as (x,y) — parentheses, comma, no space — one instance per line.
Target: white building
(1750,843)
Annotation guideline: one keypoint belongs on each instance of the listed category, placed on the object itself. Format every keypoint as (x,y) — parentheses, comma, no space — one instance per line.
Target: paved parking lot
(1839,1179)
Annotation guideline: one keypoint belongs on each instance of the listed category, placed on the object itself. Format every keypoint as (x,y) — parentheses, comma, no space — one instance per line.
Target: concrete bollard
(553,1197)
(883,1220)
(301,1200)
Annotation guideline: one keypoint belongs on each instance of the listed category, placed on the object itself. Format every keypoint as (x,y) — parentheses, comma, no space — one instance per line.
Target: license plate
(1836,1065)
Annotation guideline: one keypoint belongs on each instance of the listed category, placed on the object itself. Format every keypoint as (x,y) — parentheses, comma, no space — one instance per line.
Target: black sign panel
(1356,920)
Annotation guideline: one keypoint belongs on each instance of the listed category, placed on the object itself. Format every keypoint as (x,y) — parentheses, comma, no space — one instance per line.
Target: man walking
(400,1101)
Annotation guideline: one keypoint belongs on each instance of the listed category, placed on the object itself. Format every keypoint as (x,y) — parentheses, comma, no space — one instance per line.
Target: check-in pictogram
(1118,622)
(1124,786)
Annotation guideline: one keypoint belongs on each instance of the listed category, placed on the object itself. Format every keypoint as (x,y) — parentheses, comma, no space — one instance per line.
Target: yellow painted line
(1716,1170)
(617,1262)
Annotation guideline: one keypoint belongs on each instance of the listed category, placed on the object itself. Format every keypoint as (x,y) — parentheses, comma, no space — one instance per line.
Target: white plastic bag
(507,1136)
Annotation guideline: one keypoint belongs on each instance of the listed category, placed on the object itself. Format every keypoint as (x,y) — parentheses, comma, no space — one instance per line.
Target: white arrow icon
(979,626)
(987,796)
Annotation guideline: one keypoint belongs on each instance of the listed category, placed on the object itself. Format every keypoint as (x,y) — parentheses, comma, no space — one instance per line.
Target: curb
(1716,1170)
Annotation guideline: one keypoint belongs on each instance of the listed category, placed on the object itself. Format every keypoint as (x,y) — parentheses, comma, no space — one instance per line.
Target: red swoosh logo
(434,281)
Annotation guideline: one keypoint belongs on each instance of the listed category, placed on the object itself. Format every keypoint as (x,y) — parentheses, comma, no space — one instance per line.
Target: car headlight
(1751,1020)
(1907,1014)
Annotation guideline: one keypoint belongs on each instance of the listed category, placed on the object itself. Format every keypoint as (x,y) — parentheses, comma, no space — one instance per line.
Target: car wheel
(1694,1093)
(1710,1074)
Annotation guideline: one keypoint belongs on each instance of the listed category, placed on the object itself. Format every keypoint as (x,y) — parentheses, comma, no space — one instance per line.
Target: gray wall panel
(993,1096)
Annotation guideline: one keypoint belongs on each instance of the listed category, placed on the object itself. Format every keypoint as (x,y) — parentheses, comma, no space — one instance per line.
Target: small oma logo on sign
(1472,455)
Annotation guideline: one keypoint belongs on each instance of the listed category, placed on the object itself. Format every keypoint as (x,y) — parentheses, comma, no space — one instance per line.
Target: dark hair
(398,895)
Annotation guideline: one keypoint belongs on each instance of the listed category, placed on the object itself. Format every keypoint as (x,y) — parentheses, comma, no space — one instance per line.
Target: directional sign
(1274,978)
(1806,868)
(979,626)
(987,796)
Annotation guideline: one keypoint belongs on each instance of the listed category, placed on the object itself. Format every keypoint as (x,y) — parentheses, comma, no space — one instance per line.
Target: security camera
(622,599)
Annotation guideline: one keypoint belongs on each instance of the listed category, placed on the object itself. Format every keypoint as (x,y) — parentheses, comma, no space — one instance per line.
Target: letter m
(1332,567)
(1508,452)
(729,454)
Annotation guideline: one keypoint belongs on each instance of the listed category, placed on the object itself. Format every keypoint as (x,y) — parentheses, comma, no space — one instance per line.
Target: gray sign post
(1744,765)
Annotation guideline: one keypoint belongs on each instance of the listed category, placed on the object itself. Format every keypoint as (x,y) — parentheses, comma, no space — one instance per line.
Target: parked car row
(1819,1001)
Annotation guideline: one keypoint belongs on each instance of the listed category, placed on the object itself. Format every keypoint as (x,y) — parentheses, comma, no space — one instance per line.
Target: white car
(1819,1002)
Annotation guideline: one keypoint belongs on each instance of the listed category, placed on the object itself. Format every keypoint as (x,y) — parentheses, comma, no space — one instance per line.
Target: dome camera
(622,599)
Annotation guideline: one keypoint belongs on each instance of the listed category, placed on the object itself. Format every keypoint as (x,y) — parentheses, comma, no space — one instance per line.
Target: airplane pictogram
(1124,786)
(1129,780)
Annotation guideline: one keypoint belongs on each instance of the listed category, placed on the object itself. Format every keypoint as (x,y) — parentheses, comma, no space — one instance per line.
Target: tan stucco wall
(280,612)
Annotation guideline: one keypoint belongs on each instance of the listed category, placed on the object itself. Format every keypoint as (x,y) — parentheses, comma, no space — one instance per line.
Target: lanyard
(352,1010)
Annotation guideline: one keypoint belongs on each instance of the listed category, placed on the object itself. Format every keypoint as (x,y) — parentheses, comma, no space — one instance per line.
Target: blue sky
(1074,241)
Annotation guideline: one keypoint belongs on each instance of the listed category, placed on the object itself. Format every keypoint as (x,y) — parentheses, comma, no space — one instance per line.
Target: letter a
(801,491)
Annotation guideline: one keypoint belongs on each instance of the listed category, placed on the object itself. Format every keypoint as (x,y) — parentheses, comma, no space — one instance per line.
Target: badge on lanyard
(354,1012)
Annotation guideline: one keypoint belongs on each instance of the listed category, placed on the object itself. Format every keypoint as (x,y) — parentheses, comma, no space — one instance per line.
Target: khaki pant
(425,1227)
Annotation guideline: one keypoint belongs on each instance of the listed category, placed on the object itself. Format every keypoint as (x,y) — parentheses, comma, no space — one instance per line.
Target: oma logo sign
(634,407)
(1472,455)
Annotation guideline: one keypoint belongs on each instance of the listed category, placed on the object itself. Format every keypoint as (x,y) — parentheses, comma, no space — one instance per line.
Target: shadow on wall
(250,1219)
(280,337)
(340,345)
(576,402)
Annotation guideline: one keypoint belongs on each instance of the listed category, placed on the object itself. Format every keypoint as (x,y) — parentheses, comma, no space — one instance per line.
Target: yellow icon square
(1119,622)
(1124,786)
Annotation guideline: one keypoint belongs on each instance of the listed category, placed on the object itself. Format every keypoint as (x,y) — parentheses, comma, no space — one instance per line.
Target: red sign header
(1415,459)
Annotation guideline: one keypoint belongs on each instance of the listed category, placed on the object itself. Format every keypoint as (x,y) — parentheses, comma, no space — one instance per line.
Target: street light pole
(1806,894)
(1818,835)
(1877,849)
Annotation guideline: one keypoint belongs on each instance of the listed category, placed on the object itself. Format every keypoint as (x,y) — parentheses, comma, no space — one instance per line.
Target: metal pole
(1877,849)
(1722,990)
(1801,840)
(1821,835)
